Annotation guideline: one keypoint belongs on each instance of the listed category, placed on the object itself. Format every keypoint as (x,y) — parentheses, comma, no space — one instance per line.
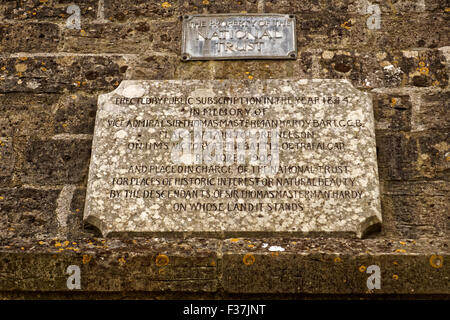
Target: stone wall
(51,73)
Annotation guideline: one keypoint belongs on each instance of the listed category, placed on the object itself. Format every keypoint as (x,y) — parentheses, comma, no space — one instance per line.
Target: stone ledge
(211,267)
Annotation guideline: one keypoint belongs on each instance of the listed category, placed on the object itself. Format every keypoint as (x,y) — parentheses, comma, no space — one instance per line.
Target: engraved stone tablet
(233,158)
(239,36)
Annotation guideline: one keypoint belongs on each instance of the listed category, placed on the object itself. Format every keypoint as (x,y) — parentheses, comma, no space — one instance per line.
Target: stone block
(56,162)
(219,6)
(154,67)
(27,213)
(75,114)
(50,10)
(25,114)
(392,112)
(29,37)
(60,73)
(432,112)
(412,156)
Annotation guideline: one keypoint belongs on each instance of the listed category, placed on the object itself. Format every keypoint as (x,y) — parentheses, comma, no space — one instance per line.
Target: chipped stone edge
(90,219)
(374,222)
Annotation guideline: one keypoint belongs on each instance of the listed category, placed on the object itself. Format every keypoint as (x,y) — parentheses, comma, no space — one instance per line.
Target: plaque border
(291,55)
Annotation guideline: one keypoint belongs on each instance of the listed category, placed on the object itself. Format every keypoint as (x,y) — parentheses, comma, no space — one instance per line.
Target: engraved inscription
(234,156)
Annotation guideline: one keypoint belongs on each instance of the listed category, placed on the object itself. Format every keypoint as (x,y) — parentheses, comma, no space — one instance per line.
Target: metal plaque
(238,36)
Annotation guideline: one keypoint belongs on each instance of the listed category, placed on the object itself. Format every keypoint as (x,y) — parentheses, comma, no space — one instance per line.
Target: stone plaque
(239,36)
(234,157)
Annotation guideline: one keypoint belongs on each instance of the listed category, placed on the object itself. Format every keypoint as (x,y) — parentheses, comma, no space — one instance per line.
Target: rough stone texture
(355,6)
(30,37)
(75,114)
(432,113)
(27,213)
(50,10)
(230,268)
(418,210)
(56,74)
(407,59)
(55,161)
(418,156)
(116,204)
(155,67)
(317,266)
(141,9)
(392,112)
(25,115)
(119,38)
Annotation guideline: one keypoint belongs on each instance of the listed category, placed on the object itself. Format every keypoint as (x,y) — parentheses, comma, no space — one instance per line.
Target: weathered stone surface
(433,112)
(406,6)
(417,68)
(166,37)
(361,68)
(29,37)
(392,112)
(5,127)
(55,162)
(416,209)
(254,69)
(27,213)
(336,30)
(154,67)
(413,156)
(419,216)
(193,69)
(290,7)
(219,6)
(56,73)
(43,64)
(7,160)
(152,265)
(240,70)
(140,9)
(75,114)
(315,29)
(393,7)
(129,140)
(26,114)
(321,266)
(227,268)
(44,115)
(50,10)
(75,219)
(427,31)
(424,68)
(238,36)
(158,36)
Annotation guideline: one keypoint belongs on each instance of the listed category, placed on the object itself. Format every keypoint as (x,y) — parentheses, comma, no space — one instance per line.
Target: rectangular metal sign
(238,36)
